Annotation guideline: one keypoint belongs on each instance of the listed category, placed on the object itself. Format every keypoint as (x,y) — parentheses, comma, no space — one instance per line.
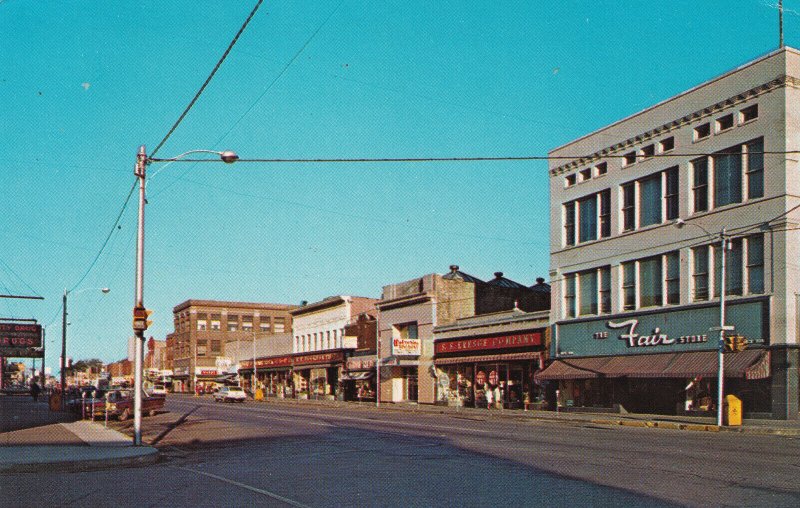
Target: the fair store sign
(655,337)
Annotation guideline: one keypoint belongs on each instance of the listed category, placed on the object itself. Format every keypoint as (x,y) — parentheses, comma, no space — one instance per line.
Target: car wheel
(124,415)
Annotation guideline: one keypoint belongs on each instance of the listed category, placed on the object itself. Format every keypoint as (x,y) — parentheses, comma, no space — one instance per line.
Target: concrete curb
(561,418)
(103,447)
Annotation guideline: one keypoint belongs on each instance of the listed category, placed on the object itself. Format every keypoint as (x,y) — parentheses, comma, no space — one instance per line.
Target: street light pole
(64,350)
(255,369)
(721,344)
(140,170)
(723,243)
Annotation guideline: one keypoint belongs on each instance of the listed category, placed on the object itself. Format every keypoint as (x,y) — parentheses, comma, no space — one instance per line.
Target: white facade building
(634,296)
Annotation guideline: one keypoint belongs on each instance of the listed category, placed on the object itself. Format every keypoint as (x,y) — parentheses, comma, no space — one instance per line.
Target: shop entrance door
(411,384)
(514,387)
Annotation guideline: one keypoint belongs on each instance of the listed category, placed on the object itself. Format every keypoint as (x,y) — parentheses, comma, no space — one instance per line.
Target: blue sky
(83,84)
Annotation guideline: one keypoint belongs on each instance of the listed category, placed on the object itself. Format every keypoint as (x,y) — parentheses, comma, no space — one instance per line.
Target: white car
(158,390)
(230,394)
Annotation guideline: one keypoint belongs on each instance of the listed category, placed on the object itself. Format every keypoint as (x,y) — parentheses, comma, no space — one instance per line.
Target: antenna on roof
(780,23)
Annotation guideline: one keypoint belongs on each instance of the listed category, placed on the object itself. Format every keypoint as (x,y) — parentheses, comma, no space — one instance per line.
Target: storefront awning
(357,376)
(527,355)
(750,364)
(577,368)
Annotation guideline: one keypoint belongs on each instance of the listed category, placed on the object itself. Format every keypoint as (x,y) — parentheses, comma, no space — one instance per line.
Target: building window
(727,177)
(587,282)
(671,193)
(605,213)
(629,285)
(407,331)
(672,261)
(280,325)
(601,169)
(569,295)
(593,290)
(648,151)
(651,282)
(588,219)
(628,159)
(629,207)
(233,322)
(755,168)
(586,174)
(216,347)
(570,180)
(748,114)
(202,322)
(264,325)
(650,290)
(215,322)
(650,200)
(702,131)
(247,323)
(584,215)
(755,264)
(569,223)
(724,123)
(700,273)
(665,145)
(700,184)
(733,268)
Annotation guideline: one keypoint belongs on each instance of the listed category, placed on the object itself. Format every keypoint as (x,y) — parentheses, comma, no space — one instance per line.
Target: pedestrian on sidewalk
(35,391)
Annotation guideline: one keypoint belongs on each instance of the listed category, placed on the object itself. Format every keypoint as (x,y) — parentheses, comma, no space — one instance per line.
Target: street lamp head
(228,157)
(105,290)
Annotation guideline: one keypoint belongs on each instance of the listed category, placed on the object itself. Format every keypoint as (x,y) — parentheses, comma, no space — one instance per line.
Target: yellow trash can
(733,411)
(259,395)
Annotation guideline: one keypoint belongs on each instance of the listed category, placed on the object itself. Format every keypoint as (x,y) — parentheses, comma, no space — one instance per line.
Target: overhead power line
(210,76)
(499,158)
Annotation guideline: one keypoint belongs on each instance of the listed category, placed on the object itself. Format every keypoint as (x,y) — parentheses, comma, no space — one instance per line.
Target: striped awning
(749,364)
(527,355)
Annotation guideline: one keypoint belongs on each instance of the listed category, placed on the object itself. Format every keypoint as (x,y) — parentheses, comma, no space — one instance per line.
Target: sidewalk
(689,423)
(32,438)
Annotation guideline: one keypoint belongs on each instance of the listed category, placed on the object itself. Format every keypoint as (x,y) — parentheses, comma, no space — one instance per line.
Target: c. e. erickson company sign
(484,343)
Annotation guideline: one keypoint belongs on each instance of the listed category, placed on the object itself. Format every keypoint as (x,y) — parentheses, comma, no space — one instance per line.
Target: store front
(661,362)
(358,381)
(488,361)
(180,380)
(205,380)
(273,375)
(485,374)
(316,375)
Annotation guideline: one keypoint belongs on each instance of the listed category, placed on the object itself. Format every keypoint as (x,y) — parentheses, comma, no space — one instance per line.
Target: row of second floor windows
(232,324)
(655,281)
(329,339)
(729,176)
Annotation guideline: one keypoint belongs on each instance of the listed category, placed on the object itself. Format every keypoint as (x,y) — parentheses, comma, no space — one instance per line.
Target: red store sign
(319,358)
(501,342)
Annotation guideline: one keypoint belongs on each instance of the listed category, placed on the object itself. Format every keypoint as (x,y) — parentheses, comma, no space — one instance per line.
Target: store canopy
(357,376)
(750,364)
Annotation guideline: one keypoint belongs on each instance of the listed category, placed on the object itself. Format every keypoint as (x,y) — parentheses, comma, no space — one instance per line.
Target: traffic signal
(140,321)
(730,344)
(735,343)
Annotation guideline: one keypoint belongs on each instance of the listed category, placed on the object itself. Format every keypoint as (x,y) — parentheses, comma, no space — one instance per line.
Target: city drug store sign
(658,332)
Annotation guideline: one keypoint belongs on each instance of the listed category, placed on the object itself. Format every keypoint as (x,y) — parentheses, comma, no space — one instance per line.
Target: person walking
(35,391)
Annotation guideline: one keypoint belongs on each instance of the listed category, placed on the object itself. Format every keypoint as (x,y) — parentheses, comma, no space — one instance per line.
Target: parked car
(230,394)
(158,390)
(119,404)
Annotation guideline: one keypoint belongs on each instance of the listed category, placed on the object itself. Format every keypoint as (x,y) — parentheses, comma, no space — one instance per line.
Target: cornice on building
(219,304)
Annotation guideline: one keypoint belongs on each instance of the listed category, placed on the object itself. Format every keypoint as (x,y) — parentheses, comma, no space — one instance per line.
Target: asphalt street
(258,454)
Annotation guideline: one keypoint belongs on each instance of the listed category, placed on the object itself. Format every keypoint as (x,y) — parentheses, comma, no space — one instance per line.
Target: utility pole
(140,172)
(780,24)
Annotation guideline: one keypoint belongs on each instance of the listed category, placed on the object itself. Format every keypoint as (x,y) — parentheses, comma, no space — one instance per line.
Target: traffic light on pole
(730,343)
(140,321)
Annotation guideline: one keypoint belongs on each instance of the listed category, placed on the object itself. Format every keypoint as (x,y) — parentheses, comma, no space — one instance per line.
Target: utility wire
(108,237)
(509,158)
(210,76)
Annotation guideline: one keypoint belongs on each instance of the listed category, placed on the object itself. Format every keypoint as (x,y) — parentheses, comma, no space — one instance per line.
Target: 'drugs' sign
(19,339)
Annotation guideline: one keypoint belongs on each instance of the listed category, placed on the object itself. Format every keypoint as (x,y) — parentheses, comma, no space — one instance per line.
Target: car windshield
(234,389)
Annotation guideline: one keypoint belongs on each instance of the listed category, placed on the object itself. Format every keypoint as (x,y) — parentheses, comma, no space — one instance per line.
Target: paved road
(274,455)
